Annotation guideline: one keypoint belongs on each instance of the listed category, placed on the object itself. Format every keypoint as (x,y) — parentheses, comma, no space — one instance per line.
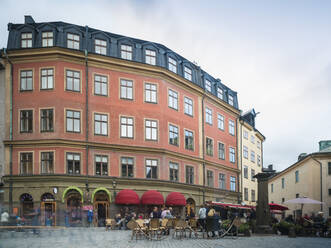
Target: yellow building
(250,156)
(309,177)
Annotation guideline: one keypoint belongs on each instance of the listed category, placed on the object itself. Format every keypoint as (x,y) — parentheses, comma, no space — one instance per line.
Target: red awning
(274,206)
(152,197)
(127,197)
(175,199)
(230,205)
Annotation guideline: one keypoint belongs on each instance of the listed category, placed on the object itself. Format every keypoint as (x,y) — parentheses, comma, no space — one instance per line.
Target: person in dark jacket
(210,222)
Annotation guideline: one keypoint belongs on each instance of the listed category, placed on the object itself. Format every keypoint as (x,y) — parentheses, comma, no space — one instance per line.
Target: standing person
(90,217)
(210,221)
(202,217)
(155,213)
(35,220)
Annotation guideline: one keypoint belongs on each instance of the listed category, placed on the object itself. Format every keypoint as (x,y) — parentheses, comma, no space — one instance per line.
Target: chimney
(270,167)
(28,20)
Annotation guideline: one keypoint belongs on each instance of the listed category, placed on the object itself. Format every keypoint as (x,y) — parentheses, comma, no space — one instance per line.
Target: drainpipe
(203,149)
(241,163)
(86,111)
(10,135)
(321,184)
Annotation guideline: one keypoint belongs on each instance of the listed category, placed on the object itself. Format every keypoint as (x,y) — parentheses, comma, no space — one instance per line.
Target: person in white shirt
(202,217)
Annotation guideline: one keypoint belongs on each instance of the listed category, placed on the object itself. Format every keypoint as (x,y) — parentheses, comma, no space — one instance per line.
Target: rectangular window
(209,147)
(47,79)
(283,183)
(245,172)
(252,175)
(329,191)
(187,73)
(151,168)
(221,151)
(26,121)
(47,39)
(297,195)
(258,144)
(100,85)
(127,167)
(253,156)
(232,183)
(101,165)
(189,140)
(100,46)
(272,188)
(297,176)
(73,41)
(258,158)
(245,134)
(173,171)
(72,80)
(73,121)
(245,152)
(209,116)
(47,162)
(210,178)
(126,52)
(188,106)
(126,89)
(26,80)
(150,93)
(220,122)
(208,85)
(329,168)
(26,40)
(232,155)
(252,139)
(231,100)
(231,127)
(150,57)
(46,120)
(172,65)
(246,194)
(219,93)
(189,174)
(26,163)
(173,135)
(221,181)
(126,127)
(330,212)
(173,99)
(100,124)
(151,130)
(73,163)
(253,195)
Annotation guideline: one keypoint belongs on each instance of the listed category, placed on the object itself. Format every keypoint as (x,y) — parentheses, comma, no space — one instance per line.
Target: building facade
(251,156)
(309,177)
(94,113)
(2,128)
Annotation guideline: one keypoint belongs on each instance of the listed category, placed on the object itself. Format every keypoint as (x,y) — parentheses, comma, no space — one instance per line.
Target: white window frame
(151,130)
(100,124)
(172,99)
(126,52)
(100,46)
(220,122)
(188,106)
(209,116)
(73,41)
(127,127)
(126,89)
(47,39)
(188,73)
(208,85)
(150,57)
(231,127)
(172,65)
(150,93)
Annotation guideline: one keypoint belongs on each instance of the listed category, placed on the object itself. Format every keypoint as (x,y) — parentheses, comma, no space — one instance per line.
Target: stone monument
(263,216)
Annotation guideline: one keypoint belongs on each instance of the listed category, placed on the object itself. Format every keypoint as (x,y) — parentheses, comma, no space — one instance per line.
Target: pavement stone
(99,238)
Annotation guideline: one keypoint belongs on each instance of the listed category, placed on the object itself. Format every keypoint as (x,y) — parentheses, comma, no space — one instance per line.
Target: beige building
(309,177)
(250,156)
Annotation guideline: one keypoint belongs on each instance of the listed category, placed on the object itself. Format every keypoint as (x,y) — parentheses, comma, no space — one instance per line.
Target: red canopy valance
(274,206)
(175,199)
(152,197)
(127,197)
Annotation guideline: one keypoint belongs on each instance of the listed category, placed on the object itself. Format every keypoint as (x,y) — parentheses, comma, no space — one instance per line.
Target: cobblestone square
(99,238)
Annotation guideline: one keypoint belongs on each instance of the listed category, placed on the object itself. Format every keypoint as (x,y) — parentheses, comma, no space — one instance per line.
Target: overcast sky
(275,54)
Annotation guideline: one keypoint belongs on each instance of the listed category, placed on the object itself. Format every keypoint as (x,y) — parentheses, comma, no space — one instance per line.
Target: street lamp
(114,187)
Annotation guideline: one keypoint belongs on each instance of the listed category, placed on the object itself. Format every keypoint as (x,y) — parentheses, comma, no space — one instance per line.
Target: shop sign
(88,207)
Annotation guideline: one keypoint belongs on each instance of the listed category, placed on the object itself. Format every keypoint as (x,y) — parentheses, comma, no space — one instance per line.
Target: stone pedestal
(263,216)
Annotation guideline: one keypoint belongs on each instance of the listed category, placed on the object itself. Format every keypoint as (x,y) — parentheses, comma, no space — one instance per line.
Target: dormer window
(47,39)
(188,73)
(219,93)
(126,52)
(172,65)
(26,40)
(150,57)
(231,100)
(208,85)
(73,41)
(100,46)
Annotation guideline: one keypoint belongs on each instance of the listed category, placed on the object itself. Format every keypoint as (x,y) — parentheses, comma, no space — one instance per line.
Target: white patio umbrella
(302,201)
